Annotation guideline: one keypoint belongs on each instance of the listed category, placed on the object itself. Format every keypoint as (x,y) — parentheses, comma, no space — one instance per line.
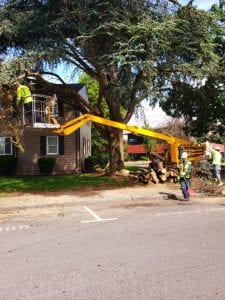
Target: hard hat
(184,155)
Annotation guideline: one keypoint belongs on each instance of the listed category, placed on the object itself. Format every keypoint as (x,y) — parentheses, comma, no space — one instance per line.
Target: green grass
(134,168)
(56,183)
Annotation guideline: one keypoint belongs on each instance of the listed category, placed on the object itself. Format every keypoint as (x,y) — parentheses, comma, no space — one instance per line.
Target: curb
(94,200)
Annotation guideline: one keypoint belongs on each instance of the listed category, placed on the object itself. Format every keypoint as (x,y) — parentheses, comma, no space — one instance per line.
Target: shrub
(94,161)
(89,163)
(46,164)
(144,158)
(7,165)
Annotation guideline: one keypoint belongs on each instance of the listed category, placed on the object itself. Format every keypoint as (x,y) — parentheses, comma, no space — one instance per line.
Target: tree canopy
(134,49)
(202,101)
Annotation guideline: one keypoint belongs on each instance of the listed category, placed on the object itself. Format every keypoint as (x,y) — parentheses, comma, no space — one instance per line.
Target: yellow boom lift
(195,151)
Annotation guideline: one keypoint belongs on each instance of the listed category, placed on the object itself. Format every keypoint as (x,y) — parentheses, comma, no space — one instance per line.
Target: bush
(7,165)
(144,158)
(89,163)
(46,164)
(94,161)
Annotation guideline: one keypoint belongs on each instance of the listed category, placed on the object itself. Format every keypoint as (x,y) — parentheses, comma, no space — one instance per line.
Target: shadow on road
(169,195)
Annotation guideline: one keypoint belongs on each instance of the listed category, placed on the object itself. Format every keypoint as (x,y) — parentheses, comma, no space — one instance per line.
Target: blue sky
(203,4)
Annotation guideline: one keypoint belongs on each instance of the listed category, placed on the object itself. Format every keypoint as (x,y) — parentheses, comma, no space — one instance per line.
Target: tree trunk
(116,150)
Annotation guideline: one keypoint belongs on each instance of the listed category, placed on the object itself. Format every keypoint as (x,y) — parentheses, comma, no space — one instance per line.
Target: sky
(202,4)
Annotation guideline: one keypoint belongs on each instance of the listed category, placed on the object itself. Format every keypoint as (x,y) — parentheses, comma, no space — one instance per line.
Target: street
(124,252)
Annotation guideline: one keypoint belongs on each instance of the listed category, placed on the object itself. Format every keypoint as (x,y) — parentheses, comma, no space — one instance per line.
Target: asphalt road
(144,252)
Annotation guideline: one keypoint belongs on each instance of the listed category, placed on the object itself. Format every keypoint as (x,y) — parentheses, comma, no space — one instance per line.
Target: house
(136,148)
(39,140)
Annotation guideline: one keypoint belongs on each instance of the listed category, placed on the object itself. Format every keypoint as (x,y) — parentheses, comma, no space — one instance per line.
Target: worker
(50,103)
(185,172)
(23,94)
(216,161)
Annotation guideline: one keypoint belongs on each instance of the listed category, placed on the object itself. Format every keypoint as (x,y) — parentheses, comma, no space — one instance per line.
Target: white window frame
(11,149)
(48,145)
(86,147)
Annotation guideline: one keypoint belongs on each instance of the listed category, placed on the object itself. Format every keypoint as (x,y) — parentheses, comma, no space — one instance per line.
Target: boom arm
(70,126)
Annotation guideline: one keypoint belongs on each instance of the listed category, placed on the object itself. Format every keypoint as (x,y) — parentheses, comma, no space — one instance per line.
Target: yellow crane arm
(72,125)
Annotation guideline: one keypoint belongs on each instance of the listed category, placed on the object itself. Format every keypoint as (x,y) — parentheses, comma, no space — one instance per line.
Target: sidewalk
(95,196)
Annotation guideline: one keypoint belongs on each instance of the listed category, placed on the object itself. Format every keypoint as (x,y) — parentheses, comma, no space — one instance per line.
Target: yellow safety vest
(23,93)
(185,169)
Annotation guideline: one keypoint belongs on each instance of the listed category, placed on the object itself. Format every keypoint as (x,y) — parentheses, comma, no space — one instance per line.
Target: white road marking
(10,228)
(97,218)
(215,209)
(92,213)
(23,227)
(13,228)
(178,213)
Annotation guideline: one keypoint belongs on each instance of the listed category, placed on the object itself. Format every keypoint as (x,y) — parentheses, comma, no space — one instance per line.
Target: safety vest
(185,169)
(23,93)
(216,157)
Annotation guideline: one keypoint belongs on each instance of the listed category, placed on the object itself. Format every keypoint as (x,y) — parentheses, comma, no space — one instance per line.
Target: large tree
(201,101)
(133,49)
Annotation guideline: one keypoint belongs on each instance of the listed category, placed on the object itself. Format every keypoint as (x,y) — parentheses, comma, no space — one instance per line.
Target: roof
(136,149)
(76,86)
(139,148)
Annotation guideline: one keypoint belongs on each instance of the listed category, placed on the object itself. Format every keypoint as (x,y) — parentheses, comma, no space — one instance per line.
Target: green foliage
(202,101)
(95,161)
(89,164)
(7,165)
(144,158)
(124,45)
(149,143)
(99,142)
(133,49)
(46,164)
(11,69)
(132,168)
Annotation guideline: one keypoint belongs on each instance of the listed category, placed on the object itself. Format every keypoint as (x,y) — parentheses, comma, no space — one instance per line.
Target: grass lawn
(56,183)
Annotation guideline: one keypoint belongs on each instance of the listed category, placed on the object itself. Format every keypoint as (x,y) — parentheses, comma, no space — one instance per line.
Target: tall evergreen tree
(131,48)
(201,101)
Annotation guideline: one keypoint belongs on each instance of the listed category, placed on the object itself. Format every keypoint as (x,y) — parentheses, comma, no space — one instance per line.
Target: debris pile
(202,180)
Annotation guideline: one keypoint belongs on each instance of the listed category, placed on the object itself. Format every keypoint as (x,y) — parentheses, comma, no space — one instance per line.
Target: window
(52,145)
(86,147)
(135,140)
(5,146)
